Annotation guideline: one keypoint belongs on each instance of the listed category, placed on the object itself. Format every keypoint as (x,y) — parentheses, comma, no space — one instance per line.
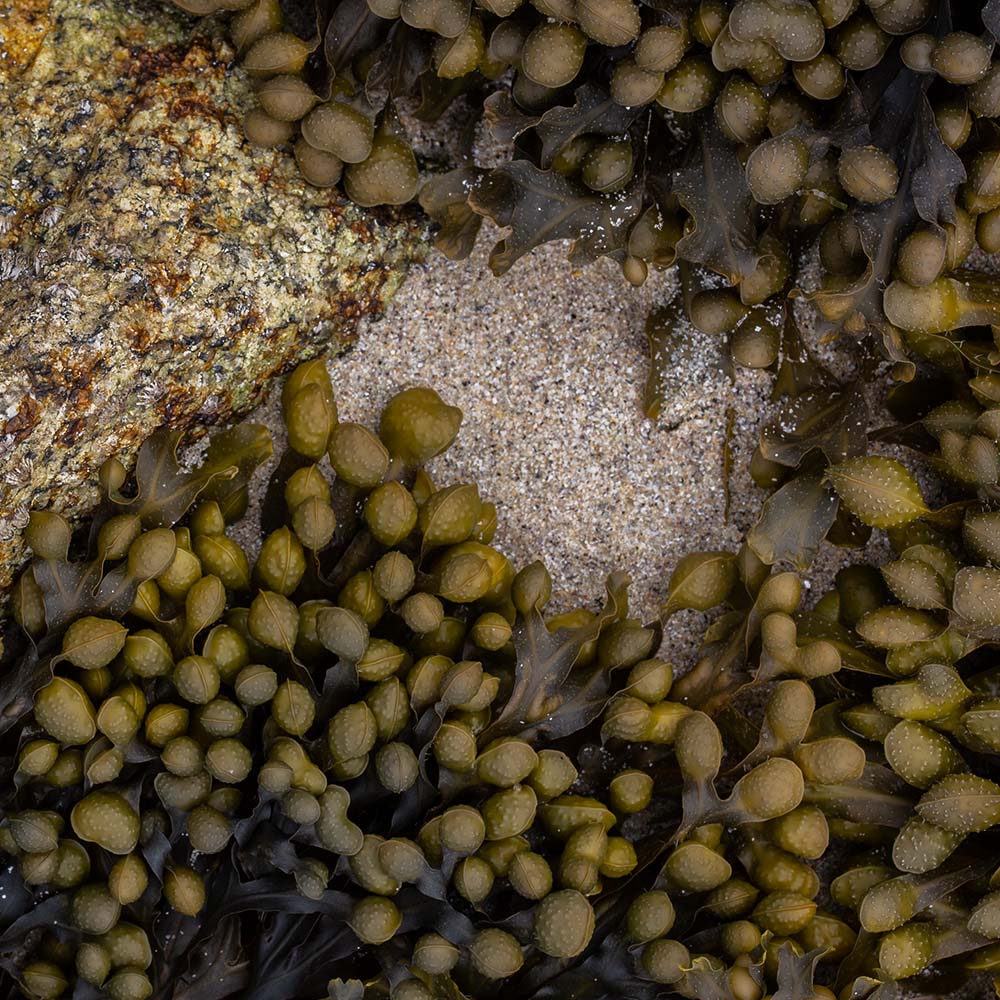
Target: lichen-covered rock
(154,267)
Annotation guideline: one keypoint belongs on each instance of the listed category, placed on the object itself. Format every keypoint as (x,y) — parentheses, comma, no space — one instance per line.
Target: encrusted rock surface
(154,268)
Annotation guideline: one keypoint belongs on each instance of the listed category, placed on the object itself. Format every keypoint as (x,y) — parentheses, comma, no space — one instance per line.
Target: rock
(154,268)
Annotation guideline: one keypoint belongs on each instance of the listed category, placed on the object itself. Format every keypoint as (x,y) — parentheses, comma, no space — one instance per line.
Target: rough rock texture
(154,268)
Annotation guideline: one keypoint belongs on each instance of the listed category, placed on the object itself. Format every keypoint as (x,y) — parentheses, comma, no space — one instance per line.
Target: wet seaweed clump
(894,731)
(365,762)
(737,137)
(371,763)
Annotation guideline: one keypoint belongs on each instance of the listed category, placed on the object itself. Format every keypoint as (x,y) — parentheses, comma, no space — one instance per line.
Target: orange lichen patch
(25,419)
(152,63)
(136,335)
(194,107)
(64,370)
(167,282)
(72,430)
(248,322)
(23,26)
(179,404)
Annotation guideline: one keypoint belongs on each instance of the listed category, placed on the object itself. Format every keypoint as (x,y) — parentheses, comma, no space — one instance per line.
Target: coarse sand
(549,365)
